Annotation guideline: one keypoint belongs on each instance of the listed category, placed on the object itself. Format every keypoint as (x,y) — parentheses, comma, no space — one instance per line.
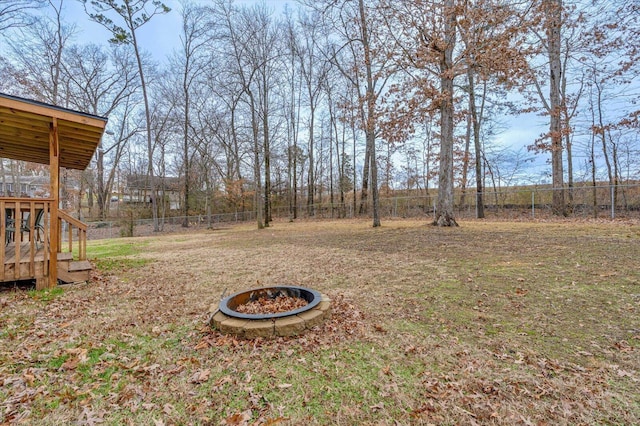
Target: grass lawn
(495,323)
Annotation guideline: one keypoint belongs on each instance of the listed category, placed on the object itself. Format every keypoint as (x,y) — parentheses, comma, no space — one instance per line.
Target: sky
(159,37)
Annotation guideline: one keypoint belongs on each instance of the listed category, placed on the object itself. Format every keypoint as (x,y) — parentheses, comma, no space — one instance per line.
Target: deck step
(73,271)
(65,256)
(79,265)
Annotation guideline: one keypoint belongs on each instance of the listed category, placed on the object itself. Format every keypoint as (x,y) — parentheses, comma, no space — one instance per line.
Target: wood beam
(17,106)
(54,171)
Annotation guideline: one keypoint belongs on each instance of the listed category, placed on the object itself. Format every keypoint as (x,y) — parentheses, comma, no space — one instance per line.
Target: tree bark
(370,124)
(477,146)
(554,23)
(445,208)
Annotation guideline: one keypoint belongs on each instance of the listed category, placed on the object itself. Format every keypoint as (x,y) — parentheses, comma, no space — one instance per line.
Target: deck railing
(25,236)
(24,232)
(80,229)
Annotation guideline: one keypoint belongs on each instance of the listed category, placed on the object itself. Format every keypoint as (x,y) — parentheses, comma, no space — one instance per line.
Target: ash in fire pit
(271,311)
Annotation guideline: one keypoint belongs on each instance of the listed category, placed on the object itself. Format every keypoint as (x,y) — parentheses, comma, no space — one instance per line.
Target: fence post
(613,201)
(533,204)
(477,196)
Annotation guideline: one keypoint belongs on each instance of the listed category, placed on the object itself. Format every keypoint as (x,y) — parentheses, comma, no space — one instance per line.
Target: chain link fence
(143,227)
(581,202)
(601,202)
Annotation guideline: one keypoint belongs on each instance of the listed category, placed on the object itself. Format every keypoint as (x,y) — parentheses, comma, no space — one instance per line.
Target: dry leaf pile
(272,305)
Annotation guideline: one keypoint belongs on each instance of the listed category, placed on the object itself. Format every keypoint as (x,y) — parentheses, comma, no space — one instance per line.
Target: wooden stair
(73,271)
(69,270)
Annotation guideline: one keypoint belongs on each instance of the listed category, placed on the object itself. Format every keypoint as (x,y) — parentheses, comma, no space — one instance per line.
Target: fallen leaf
(69,364)
(378,406)
(622,373)
(285,385)
(379,328)
(90,418)
(270,422)
(200,376)
(238,419)
(175,369)
(204,344)
(168,409)
(221,381)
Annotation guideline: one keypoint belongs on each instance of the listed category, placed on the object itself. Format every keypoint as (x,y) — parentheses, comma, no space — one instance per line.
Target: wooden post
(54,170)
(3,236)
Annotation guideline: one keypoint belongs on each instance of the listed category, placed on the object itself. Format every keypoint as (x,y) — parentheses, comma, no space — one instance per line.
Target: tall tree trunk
(476,145)
(320,168)
(444,207)
(331,154)
(603,136)
(364,190)
(554,24)
(592,161)
(100,177)
(292,149)
(570,185)
(150,146)
(236,160)
(616,169)
(371,163)
(256,165)
(311,172)
(267,153)
(465,162)
(185,153)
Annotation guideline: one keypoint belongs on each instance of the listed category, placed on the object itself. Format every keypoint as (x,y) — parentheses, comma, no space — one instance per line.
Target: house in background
(138,190)
(25,187)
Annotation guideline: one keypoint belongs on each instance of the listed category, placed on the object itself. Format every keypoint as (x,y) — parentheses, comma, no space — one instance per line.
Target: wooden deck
(27,253)
(19,265)
(69,270)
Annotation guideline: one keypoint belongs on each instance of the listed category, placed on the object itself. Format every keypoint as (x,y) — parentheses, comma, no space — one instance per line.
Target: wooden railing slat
(82,233)
(21,207)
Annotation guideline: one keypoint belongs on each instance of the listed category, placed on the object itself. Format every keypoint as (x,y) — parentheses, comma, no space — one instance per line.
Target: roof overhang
(25,127)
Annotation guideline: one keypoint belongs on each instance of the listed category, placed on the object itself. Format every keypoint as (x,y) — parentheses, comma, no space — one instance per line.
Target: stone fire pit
(242,313)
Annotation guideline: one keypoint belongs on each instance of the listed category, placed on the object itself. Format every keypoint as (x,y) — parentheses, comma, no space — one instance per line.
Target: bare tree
(191,63)
(553,24)
(248,39)
(264,56)
(235,39)
(103,84)
(18,13)
(313,70)
(436,44)
(368,71)
(38,57)
(132,14)
(293,116)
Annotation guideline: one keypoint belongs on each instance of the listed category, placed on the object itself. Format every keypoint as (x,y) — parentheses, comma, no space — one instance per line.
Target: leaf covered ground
(491,323)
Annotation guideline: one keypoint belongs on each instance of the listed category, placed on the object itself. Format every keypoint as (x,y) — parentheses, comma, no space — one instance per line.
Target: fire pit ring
(228,320)
(229,304)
